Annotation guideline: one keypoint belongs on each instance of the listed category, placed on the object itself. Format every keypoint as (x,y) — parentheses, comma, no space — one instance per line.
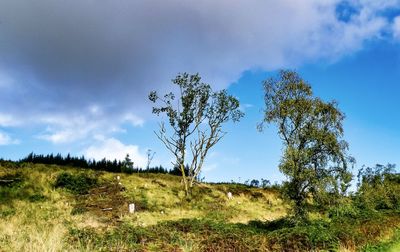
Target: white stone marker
(229,194)
(131,208)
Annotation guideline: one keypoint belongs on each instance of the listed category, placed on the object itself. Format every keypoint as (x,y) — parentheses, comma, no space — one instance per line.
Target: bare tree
(195,117)
(150,156)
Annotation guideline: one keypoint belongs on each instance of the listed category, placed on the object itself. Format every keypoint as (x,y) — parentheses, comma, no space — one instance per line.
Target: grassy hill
(53,208)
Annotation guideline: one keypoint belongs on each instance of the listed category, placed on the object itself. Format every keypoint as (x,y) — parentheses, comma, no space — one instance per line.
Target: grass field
(84,210)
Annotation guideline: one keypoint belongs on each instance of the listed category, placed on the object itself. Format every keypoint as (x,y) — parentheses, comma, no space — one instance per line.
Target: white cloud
(7,120)
(245,107)
(63,136)
(7,140)
(209,167)
(133,119)
(216,160)
(396,27)
(112,148)
(67,128)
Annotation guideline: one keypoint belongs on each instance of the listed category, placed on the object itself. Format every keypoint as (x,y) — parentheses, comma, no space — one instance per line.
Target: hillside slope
(54,208)
(37,216)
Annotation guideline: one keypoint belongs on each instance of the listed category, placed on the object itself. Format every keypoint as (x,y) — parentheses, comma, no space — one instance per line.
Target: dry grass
(34,216)
(35,227)
(43,225)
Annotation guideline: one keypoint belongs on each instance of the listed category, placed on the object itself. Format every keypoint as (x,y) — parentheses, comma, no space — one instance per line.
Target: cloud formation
(112,148)
(75,66)
(5,139)
(396,27)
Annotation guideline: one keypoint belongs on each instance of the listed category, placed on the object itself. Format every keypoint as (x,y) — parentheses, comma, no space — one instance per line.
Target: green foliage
(203,235)
(143,202)
(345,209)
(217,235)
(127,165)
(379,188)
(195,115)
(77,184)
(316,235)
(314,159)
(15,186)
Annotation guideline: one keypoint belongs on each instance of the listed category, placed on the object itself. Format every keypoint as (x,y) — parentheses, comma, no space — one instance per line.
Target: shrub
(77,184)
(38,197)
(379,188)
(7,212)
(78,210)
(308,236)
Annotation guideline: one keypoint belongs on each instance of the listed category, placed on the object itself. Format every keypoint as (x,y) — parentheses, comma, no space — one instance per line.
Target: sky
(75,75)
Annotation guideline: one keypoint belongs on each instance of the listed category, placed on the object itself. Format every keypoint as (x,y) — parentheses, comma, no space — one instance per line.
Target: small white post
(229,194)
(131,208)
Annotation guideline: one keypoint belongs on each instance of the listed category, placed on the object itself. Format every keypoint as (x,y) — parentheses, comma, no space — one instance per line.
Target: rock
(230,196)
(131,208)
(118,178)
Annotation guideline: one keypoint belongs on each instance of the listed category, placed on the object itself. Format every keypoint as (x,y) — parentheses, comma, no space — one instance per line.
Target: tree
(314,158)
(150,156)
(127,165)
(254,183)
(195,117)
(265,183)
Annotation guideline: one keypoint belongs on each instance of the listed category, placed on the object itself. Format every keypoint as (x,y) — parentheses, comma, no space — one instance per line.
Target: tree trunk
(185,182)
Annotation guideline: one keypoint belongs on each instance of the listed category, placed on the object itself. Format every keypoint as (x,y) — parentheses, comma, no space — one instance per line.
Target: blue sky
(74,77)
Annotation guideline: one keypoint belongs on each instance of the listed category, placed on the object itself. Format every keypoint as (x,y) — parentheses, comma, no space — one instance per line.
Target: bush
(379,188)
(77,184)
(78,210)
(7,212)
(346,209)
(308,236)
(38,197)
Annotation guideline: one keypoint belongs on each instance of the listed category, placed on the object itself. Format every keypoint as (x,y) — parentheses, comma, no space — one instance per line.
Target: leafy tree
(254,183)
(314,158)
(265,183)
(195,116)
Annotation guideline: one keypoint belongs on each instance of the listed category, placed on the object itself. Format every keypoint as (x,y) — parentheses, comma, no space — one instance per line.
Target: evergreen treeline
(101,165)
